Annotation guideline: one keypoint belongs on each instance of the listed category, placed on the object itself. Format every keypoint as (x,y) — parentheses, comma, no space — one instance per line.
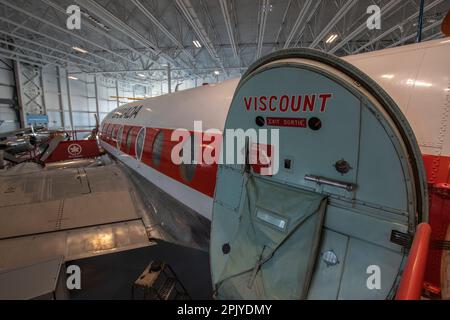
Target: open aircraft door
(337,218)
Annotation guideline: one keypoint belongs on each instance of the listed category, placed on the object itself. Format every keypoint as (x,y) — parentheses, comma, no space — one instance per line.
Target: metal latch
(329,182)
(402,239)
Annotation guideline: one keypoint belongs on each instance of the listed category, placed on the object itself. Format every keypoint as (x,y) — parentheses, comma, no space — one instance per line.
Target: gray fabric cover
(265,261)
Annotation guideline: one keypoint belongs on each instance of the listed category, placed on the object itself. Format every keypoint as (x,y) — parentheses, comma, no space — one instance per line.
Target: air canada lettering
(127,113)
(299,103)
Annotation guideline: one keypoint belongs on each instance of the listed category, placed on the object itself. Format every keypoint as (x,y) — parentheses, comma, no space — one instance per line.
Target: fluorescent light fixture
(79,49)
(72,78)
(141,75)
(331,38)
(216,72)
(197,44)
(387,76)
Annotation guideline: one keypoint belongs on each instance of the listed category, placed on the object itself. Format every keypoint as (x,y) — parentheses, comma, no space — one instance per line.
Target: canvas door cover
(279,236)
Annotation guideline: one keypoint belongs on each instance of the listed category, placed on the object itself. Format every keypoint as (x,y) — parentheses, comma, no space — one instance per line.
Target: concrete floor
(111,276)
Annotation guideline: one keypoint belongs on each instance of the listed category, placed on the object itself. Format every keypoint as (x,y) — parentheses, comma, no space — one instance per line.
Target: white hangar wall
(70,101)
(9,119)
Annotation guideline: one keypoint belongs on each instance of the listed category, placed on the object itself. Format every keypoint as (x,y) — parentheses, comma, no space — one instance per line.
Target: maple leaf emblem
(74,149)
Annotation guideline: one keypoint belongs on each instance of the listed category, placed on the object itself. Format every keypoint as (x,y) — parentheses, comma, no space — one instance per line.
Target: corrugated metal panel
(8,115)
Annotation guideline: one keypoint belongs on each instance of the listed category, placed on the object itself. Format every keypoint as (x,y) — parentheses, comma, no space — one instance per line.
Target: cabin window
(105,132)
(128,140)
(119,137)
(110,129)
(187,170)
(140,143)
(157,148)
(115,131)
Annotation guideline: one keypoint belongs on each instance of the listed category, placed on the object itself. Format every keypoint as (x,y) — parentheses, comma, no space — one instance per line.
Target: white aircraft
(364,157)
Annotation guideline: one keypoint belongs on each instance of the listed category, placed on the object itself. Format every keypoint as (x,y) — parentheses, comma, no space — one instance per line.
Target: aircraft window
(157,148)
(187,170)
(140,143)
(110,129)
(106,129)
(128,140)
(115,131)
(119,137)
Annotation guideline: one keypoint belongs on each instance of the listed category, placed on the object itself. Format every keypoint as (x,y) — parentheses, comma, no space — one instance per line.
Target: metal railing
(411,284)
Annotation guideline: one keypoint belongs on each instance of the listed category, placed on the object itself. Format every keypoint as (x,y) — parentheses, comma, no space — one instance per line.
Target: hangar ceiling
(199,37)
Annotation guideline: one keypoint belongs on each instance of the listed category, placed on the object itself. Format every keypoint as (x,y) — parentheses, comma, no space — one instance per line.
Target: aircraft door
(347,184)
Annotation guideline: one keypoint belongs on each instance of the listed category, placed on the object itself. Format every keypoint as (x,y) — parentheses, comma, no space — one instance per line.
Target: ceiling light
(197,44)
(216,72)
(331,38)
(387,76)
(79,49)
(72,78)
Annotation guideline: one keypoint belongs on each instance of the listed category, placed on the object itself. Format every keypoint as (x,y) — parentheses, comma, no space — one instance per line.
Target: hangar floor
(111,276)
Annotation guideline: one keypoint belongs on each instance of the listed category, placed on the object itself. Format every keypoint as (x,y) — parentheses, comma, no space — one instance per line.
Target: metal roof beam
(51,38)
(10,55)
(117,24)
(395,27)
(191,16)
(262,19)
(121,26)
(155,70)
(297,23)
(98,30)
(339,15)
(46,47)
(283,21)
(6,3)
(411,36)
(226,17)
(161,27)
(312,13)
(68,62)
(384,11)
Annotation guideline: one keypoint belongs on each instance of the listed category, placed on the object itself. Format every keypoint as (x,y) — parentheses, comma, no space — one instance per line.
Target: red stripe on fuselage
(204,181)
